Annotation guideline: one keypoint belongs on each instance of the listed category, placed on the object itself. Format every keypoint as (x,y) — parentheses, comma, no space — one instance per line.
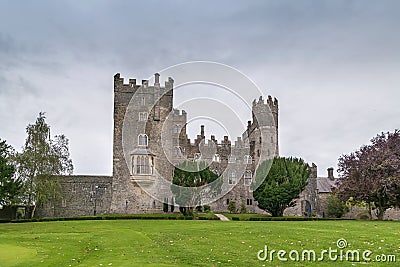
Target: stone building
(150,139)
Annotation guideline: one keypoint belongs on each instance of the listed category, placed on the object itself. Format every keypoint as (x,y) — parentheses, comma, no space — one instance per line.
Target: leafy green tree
(281,184)
(335,207)
(193,182)
(10,187)
(41,159)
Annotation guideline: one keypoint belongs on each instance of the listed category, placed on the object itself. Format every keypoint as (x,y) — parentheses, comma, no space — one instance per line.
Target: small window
(143,101)
(248,159)
(143,116)
(63,203)
(227,201)
(177,129)
(232,178)
(197,156)
(249,201)
(177,151)
(142,140)
(216,158)
(258,153)
(247,177)
(73,187)
(232,159)
(260,140)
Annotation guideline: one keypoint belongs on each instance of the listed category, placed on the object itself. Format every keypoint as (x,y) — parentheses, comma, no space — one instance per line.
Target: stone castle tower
(158,141)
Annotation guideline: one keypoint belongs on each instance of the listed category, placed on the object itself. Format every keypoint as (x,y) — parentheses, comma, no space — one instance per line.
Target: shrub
(232,206)
(207,208)
(336,208)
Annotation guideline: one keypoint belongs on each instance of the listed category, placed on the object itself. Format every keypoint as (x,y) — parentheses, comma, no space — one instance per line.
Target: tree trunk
(380,213)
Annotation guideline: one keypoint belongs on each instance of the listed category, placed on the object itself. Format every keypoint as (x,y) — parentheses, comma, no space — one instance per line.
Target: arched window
(142,140)
(143,116)
(232,178)
(247,177)
(216,158)
(197,156)
(248,159)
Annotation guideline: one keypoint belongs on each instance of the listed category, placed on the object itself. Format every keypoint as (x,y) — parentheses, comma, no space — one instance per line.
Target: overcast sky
(333,65)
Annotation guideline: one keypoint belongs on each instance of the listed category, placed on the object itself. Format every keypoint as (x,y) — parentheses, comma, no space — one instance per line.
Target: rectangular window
(249,202)
(247,177)
(63,203)
(143,101)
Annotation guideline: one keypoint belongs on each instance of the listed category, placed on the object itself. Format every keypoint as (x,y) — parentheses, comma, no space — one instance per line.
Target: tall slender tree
(41,159)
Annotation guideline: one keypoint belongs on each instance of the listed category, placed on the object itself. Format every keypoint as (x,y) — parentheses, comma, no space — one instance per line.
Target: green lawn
(187,243)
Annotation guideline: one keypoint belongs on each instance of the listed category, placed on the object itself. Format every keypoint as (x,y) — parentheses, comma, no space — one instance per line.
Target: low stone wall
(80,195)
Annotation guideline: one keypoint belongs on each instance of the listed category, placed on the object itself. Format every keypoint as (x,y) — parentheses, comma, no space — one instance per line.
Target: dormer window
(142,140)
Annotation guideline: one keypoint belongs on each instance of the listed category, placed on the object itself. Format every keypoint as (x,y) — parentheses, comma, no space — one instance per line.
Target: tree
(372,174)
(243,208)
(10,187)
(277,187)
(335,207)
(192,183)
(41,159)
(232,206)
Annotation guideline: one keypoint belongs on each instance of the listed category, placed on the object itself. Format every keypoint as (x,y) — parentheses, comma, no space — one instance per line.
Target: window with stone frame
(143,101)
(197,156)
(232,159)
(247,177)
(143,116)
(249,202)
(177,151)
(142,140)
(232,178)
(216,158)
(248,159)
(177,128)
(143,165)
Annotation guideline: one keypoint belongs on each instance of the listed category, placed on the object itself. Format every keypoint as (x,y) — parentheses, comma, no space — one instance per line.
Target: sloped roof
(325,185)
(142,152)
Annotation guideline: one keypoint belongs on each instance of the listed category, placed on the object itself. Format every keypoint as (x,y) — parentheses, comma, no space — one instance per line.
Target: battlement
(119,83)
(272,104)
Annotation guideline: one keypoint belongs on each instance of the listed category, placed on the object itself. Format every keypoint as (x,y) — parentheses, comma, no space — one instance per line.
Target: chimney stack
(202,131)
(330,174)
(156,79)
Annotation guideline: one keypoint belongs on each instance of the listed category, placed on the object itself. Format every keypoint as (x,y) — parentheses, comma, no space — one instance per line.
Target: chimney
(156,79)
(330,174)
(202,131)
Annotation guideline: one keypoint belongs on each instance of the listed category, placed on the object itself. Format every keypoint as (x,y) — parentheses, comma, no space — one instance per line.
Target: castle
(150,139)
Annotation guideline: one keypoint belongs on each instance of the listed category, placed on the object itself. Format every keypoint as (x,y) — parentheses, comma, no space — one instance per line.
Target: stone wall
(80,195)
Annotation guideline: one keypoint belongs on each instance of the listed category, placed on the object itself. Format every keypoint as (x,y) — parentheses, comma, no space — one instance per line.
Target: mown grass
(186,242)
